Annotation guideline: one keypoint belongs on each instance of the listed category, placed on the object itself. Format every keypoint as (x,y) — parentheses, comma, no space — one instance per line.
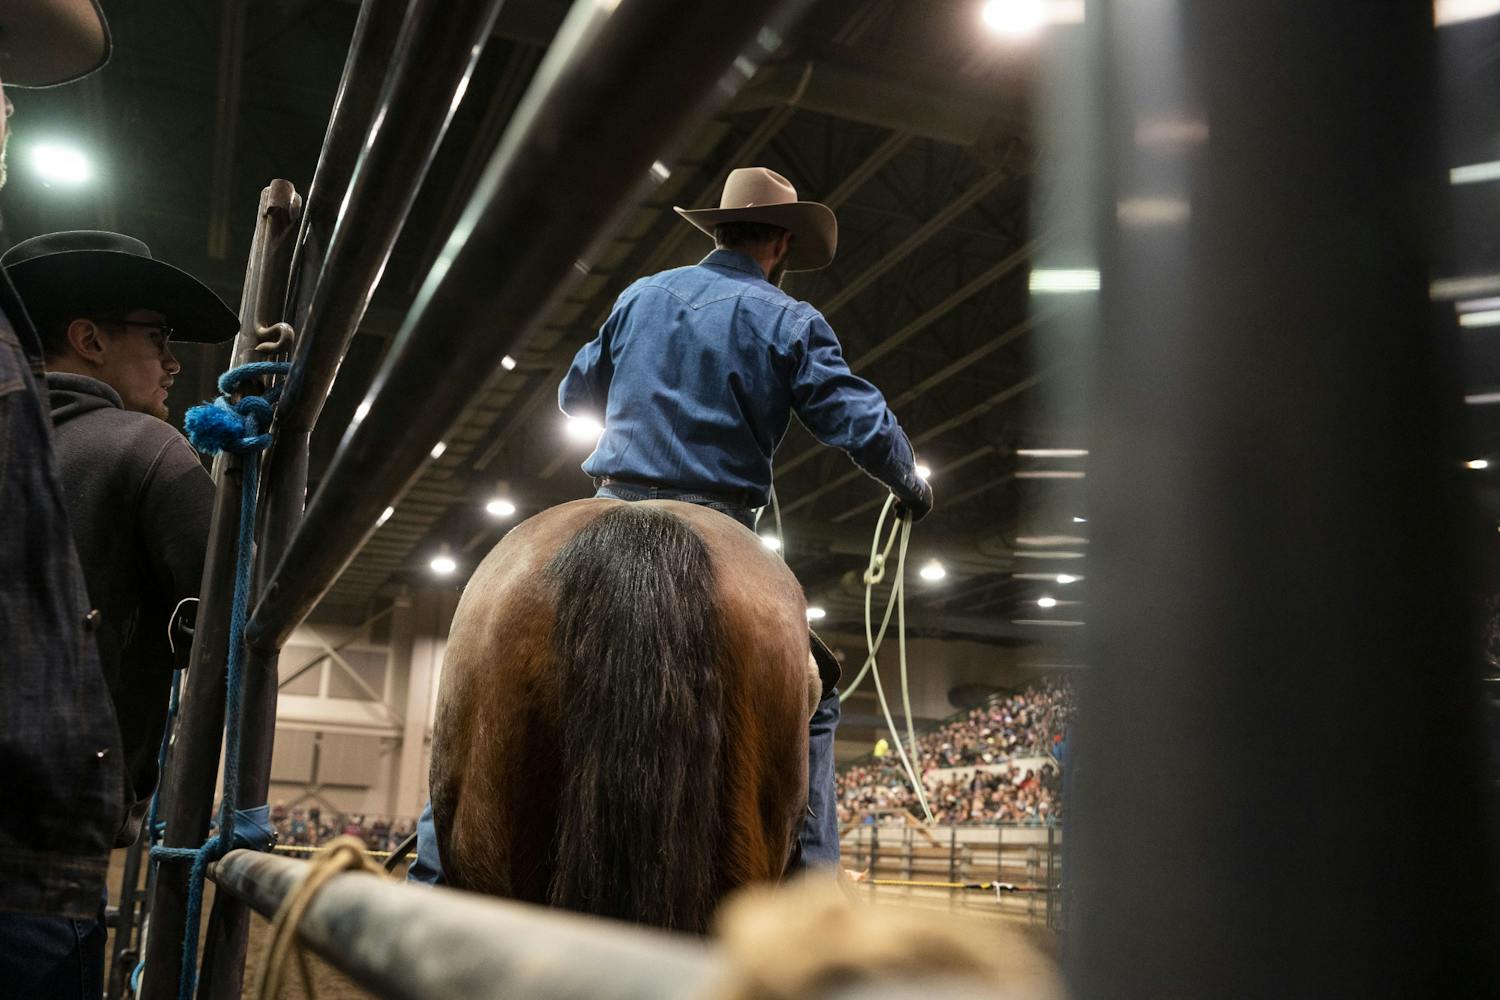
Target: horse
(622,720)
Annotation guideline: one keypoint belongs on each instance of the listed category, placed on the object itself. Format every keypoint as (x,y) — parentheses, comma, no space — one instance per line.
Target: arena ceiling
(904,115)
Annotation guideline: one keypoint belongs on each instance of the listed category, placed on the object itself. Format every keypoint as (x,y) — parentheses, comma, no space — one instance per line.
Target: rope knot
(239,427)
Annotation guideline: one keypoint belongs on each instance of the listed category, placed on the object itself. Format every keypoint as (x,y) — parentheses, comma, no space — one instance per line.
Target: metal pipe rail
(617,87)
(408,942)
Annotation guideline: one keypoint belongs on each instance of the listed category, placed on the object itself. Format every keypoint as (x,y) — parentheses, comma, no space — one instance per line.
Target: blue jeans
(51,958)
(629,491)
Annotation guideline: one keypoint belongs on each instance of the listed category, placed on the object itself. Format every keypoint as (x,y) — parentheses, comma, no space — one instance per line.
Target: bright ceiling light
(923,471)
(814,613)
(1477,463)
(1454,11)
(1080,520)
(1044,621)
(771,542)
(362,410)
(508,363)
(660,171)
(443,565)
(438,449)
(1481,317)
(60,164)
(385,516)
(1483,399)
(1051,540)
(1046,602)
(1475,173)
(1048,474)
(1048,554)
(1053,452)
(1064,281)
(932,571)
(500,507)
(1066,578)
(583,429)
(1015,18)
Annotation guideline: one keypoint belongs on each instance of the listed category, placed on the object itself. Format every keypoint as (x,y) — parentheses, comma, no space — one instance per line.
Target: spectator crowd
(310,827)
(1028,723)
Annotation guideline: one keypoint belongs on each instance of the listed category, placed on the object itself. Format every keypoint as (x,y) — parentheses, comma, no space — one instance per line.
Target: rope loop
(241,426)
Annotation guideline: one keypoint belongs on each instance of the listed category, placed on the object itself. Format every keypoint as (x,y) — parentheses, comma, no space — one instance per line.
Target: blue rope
(240,428)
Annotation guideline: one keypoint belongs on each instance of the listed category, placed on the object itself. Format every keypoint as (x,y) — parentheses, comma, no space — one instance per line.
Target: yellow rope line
(301,849)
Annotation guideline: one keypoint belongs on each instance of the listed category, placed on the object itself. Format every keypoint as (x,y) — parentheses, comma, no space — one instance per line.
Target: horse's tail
(638,640)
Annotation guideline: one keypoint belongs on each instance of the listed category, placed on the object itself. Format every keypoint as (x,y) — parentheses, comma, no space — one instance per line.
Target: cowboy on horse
(694,376)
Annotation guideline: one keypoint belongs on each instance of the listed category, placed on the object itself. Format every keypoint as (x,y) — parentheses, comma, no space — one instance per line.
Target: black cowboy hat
(50,42)
(54,273)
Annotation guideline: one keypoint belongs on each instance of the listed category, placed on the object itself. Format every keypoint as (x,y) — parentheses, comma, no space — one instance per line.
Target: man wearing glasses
(138,499)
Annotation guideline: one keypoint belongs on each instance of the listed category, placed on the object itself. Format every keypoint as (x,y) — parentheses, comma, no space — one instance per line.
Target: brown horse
(622,722)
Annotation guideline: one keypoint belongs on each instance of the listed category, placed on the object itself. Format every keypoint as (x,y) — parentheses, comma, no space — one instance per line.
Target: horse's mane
(638,638)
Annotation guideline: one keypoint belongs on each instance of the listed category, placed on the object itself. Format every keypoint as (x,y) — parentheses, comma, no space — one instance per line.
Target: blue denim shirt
(61,802)
(697,372)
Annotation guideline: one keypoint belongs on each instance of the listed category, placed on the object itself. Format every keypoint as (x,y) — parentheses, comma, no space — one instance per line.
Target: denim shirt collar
(735,261)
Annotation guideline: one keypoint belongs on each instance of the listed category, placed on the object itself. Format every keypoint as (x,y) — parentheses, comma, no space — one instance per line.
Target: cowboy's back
(696,374)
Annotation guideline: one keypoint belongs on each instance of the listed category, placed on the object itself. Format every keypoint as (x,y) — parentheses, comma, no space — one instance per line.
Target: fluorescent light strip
(1484,317)
(1445,12)
(1049,577)
(1050,554)
(1043,621)
(1475,173)
(1443,289)
(1048,474)
(1051,540)
(1483,399)
(1064,281)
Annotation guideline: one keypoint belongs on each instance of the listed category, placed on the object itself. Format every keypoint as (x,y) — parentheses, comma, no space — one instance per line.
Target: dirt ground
(329,983)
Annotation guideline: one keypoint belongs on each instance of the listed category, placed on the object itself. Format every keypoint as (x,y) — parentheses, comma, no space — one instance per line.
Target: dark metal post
(1284,676)
(618,86)
(193,759)
(124,952)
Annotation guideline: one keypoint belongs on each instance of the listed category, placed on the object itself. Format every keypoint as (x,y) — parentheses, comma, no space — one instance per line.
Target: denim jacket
(61,797)
(695,376)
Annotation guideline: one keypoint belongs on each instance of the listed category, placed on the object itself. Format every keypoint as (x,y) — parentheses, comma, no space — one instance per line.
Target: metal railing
(619,87)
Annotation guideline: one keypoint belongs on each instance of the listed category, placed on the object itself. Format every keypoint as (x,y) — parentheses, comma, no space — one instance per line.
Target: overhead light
(508,363)
(1015,18)
(583,429)
(1475,173)
(1483,399)
(500,507)
(443,564)
(1446,12)
(660,171)
(1163,210)
(1067,578)
(1053,452)
(385,516)
(1482,317)
(771,542)
(1080,520)
(61,164)
(1046,602)
(1049,554)
(932,571)
(814,613)
(1477,463)
(1044,621)
(1048,474)
(1466,287)
(1064,281)
(438,449)
(362,410)
(923,472)
(1051,540)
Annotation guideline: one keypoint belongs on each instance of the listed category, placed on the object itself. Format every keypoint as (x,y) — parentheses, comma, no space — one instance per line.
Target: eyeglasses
(164,329)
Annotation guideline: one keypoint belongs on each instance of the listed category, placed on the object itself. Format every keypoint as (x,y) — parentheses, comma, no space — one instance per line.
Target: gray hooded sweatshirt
(139,502)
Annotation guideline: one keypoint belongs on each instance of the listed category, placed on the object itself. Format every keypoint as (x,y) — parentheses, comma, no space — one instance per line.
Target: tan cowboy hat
(48,42)
(755,194)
